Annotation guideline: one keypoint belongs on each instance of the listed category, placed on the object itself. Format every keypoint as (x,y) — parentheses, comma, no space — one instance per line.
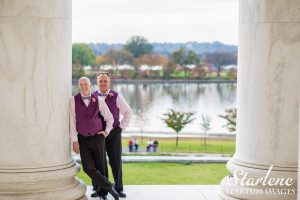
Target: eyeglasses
(103,73)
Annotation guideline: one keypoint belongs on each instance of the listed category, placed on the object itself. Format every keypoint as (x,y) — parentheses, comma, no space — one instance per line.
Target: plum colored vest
(88,122)
(111,102)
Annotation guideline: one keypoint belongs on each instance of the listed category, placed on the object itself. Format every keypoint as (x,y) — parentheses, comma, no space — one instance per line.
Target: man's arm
(108,117)
(72,123)
(125,110)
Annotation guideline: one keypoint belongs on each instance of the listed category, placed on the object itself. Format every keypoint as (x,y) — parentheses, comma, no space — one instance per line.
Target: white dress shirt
(104,110)
(124,108)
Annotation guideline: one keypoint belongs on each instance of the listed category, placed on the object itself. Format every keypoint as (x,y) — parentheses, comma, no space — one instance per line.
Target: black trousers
(93,159)
(114,151)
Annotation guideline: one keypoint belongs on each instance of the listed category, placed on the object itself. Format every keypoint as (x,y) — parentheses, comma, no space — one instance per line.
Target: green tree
(177,120)
(184,57)
(205,126)
(230,117)
(138,46)
(82,55)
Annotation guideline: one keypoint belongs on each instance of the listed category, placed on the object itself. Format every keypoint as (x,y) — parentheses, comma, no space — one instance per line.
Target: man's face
(84,86)
(103,83)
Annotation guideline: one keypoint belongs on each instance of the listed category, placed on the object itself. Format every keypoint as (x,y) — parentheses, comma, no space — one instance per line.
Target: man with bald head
(117,106)
(88,132)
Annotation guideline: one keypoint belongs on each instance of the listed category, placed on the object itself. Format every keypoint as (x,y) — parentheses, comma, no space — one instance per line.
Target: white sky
(114,21)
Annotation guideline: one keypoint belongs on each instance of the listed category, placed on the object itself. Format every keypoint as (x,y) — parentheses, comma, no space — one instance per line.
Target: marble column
(298,195)
(268,100)
(35,79)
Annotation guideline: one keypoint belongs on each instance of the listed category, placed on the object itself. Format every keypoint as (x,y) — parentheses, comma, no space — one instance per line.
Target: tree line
(177,120)
(137,51)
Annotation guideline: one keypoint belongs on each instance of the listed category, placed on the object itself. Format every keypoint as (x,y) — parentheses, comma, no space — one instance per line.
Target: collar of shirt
(107,92)
(85,96)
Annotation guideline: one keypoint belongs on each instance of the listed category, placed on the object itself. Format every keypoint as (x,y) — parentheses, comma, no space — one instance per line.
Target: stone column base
(53,183)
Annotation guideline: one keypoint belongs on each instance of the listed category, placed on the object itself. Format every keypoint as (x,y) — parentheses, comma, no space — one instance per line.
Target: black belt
(88,136)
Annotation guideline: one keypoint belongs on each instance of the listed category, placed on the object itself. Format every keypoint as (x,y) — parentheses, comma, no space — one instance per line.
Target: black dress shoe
(121,194)
(103,197)
(95,194)
(100,193)
(114,193)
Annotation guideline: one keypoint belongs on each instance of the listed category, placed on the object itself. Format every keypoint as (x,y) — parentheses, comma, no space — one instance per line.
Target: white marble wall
(35,79)
(268,91)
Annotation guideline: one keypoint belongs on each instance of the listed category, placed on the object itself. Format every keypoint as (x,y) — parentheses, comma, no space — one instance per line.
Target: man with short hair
(88,135)
(117,105)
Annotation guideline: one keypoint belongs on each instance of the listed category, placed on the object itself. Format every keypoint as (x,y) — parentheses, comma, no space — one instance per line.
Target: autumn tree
(220,59)
(168,68)
(152,59)
(101,60)
(119,57)
(201,71)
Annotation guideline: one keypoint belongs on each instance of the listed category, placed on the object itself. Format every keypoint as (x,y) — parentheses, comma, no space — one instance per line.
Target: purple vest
(88,121)
(111,102)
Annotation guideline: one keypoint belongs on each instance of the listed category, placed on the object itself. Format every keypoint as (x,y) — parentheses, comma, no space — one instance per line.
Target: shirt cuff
(108,130)
(74,139)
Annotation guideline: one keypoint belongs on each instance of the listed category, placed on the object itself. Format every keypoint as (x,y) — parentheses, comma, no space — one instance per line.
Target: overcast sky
(114,21)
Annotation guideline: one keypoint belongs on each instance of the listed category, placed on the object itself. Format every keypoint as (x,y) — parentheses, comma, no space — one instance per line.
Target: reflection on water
(149,101)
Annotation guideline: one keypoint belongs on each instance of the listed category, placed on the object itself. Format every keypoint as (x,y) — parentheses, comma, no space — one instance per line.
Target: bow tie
(84,98)
(102,95)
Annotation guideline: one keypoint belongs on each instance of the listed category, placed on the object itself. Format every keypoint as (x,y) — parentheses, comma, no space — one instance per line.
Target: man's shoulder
(76,96)
(114,92)
(73,96)
(95,92)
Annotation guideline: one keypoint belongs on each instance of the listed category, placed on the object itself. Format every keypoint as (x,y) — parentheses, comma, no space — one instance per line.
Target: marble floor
(167,192)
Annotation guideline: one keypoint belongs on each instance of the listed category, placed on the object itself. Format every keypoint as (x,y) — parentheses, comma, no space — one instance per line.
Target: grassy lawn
(168,173)
(179,74)
(188,145)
